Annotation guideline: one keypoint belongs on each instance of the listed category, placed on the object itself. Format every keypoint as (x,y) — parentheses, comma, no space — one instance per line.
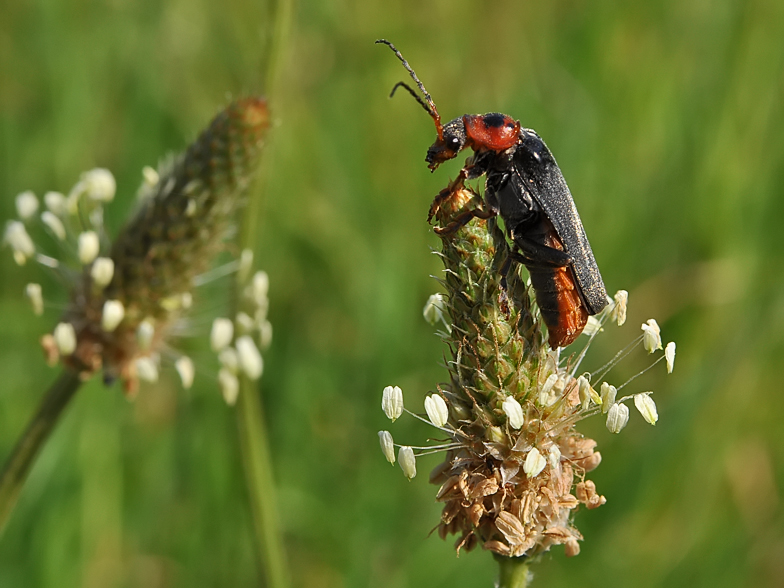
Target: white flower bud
(669,356)
(609,393)
(113,314)
(250,360)
(514,412)
(35,296)
(16,236)
(392,402)
(646,406)
(229,359)
(229,386)
(146,369)
(436,410)
(618,313)
(144,334)
(99,184)
(54,224)
(55,202)
(617,417)
(387,445)
(65,338)
(102,271)
(434,309)
(26,205)
(534,463)
(89,246)
(185,368)
(651,336)
(407,461)
(222,333)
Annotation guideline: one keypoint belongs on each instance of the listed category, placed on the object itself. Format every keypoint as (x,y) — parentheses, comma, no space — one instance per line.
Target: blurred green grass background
(666,119)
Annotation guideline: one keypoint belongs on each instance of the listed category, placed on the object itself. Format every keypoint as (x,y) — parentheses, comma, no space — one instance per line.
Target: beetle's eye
(454,143)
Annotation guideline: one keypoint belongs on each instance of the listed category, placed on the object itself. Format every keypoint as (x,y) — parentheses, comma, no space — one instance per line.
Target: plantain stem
(252,429)
(512,572)
(20,462)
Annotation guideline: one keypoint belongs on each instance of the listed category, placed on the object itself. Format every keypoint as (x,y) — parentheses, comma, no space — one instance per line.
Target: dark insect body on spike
(525,187)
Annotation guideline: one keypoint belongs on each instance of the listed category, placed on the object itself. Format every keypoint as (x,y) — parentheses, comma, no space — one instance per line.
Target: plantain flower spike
(516,467)
(130,291)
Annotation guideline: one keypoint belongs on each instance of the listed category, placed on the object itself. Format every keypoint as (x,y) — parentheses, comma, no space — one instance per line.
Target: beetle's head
(449,143)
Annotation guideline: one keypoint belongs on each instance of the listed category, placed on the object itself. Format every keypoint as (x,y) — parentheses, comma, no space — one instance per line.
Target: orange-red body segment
(494,132)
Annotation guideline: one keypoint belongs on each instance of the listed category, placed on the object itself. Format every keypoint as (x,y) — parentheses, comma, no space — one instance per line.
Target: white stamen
(265,334)
(260,287)
(554,456)
(26,205)
(144,334)
(65,338)
(387,445)
(609,392)
(245,324)
(593,326)
(646,406)
(99,184)
(146,369)
(651,336)
(35,296)
(534,463)
(229,386)
(89,246)
(113,314)
(55,202)
(102,271)
(617,417)
(436,410)
(16,236)
(245,265)
(222,333)
(150,175)
(514,412)
(407,461)
(54,224)
(392,402)
(669,356)
(229,359)
(250,360)
(434,309)
(620,301)
(186,370)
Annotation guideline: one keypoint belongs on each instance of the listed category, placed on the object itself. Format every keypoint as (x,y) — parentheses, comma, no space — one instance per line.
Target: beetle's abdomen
(559,300)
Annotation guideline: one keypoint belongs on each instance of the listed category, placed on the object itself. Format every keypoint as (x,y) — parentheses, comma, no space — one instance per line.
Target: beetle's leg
(537,255)
(463,219)
(447,193)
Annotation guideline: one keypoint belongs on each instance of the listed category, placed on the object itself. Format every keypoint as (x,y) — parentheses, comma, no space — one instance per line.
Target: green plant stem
(512,572)
(254,443)
(257,464)
(21,460)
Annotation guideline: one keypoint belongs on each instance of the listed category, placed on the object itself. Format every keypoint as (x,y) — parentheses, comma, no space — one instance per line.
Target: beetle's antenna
(416,96)
(427,103)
